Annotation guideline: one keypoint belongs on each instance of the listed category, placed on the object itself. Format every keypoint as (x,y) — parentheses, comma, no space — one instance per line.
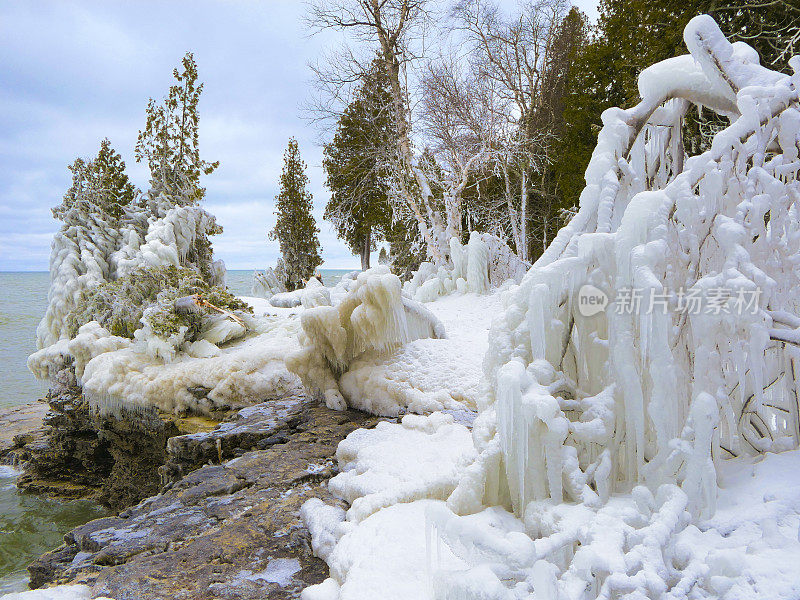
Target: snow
(384,557)
(245,373)
(428,375)
(420,458)
(59,592)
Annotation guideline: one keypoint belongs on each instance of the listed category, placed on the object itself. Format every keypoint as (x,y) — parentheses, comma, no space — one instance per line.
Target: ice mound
(202,379)
(390,474)
(485,263)
(374,318)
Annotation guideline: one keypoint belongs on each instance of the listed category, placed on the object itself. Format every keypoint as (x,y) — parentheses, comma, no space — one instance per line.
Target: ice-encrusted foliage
(485,263)
(89,251)
(269,282)
(645,398)
(374,317)
(119,305)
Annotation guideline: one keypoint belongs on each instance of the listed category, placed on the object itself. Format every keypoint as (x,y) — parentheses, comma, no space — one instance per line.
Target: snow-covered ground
(410,550)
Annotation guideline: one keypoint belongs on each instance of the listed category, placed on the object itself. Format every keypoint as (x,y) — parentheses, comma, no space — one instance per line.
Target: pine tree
(383,257)
(296,230)
(354,165)
(99,186)
(169,141)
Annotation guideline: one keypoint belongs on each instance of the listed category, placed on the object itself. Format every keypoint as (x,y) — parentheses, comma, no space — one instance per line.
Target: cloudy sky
(72,73)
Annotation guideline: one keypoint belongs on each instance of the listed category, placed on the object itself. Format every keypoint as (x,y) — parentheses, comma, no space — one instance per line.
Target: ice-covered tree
(355,165)
(631,35)
(110,237)
(296,230)
(170,143)
(100,185)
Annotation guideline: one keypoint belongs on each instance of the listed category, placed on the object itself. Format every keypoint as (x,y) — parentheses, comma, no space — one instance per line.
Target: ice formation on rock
(373,318)
(201,379)
(644,399)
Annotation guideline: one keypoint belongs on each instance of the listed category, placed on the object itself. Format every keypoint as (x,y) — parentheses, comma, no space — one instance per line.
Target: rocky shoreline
(205,507)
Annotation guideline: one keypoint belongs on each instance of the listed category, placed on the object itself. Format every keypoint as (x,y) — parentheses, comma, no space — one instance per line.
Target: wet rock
(19,427)
(113,461)
(229,530)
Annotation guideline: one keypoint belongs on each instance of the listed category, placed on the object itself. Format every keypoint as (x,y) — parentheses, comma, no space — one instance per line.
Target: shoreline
(225,517)
(22,425)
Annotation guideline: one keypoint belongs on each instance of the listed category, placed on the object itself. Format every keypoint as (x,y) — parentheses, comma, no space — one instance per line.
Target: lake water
(31,525)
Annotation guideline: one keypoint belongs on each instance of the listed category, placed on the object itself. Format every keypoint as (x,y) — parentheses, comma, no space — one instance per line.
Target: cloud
(72,73)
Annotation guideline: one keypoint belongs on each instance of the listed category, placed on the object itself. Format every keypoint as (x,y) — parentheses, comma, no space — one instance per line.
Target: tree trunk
(523,217)
(427,230)
(366,249)
(512,215)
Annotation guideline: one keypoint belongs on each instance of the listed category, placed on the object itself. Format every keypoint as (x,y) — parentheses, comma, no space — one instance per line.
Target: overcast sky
(72,73)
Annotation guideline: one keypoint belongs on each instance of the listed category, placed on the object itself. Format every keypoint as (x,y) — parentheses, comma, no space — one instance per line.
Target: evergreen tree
(354,165)
(296,229)
(383,257)
(99,186)
(169,141)
(631,35)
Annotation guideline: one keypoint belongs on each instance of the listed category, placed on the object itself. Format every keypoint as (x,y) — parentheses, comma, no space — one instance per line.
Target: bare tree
(463,119)
(523,58)
(391,27)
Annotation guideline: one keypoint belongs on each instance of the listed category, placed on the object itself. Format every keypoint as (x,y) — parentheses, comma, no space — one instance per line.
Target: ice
(279,570)
(373,318)
(266,284)
(608,402)
(90,251)
(235,376)
(59,592)
(485,263)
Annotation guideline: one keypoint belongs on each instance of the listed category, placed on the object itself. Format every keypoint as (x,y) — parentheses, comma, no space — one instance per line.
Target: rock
(84,455)
(258,426)
(21,425)
(229,530)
